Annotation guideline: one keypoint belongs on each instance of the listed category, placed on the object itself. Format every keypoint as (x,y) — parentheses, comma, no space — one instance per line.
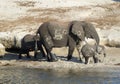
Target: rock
(114,38)
(110,37)
(7,39)
(12,39)
(2,50)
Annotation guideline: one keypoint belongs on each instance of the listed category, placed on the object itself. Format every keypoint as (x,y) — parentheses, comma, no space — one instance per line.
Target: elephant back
(88,50)
(28,42)
(57,30)
(28,38)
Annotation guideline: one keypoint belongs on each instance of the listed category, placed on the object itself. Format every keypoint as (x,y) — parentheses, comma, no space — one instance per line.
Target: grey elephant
(58,34)
(30,43)
(91,51)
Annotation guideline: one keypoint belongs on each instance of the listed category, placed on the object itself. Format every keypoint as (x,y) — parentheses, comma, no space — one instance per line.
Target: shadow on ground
(117,0)
(14,54)
(74,59)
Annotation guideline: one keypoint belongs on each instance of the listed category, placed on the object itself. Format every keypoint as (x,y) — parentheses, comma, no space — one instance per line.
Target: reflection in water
(12,75)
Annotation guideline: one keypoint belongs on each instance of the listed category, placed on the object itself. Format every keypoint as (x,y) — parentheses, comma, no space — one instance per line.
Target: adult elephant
(89,32)
(30,43)
(57,34)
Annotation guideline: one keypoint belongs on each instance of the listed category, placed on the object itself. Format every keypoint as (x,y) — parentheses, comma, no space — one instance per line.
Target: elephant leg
(78,47)
(70,52)
(28,56)
(51,57)
(80,55)
(86,60)
(48,44)
(20,56)
(42,51)
(95,59)
(48,55)
(72,45)
(47,51)
(35,55)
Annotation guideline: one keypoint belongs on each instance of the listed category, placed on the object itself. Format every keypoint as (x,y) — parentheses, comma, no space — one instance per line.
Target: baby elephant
(92,51)
(30,43)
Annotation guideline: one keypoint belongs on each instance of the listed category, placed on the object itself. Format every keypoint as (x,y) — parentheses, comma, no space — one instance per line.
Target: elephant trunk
(36,44)
(96,37)
(36,47)
(90,32)
(97,41)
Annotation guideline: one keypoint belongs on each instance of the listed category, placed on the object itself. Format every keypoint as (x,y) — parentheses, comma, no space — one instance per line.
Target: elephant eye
(64,32)
(79,32)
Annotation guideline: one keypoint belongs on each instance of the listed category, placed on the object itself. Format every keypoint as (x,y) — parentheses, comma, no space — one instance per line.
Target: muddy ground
(112,60)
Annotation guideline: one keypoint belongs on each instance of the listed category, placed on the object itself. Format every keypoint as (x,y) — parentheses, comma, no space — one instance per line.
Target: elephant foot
(35,55)
(28,57)
(35,59)
(69,57)
(81,60)
(86,60)
(54,58)
(43,55)
(96,60)
(20,57)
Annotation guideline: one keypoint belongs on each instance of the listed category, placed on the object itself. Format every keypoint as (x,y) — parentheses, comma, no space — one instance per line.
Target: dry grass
(109,20)
(25,3)
(112,16)
(54,14)
(27,20)
(58,10)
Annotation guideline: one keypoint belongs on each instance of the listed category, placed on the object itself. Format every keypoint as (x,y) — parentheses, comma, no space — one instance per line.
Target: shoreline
(82,67)
(111,62)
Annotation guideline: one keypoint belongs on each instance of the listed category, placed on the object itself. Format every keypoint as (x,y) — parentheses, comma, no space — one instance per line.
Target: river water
(22,75)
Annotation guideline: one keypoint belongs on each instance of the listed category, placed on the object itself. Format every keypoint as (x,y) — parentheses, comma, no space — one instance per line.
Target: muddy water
(21,75)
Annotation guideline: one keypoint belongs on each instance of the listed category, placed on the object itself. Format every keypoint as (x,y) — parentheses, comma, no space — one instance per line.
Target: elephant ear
(77,30)
(90,31)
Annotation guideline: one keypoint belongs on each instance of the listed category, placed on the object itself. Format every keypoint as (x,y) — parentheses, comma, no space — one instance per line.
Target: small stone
(2,50)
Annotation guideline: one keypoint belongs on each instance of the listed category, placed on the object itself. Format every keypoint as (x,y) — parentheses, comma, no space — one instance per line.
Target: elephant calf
(92,51)
(30,43)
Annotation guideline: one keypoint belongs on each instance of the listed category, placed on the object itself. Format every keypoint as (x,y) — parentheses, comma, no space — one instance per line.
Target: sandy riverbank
(111,61)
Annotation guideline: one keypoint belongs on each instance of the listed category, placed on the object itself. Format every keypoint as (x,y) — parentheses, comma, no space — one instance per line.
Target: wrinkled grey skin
(88,28)
(90,51)
(30,43)
(57,34)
